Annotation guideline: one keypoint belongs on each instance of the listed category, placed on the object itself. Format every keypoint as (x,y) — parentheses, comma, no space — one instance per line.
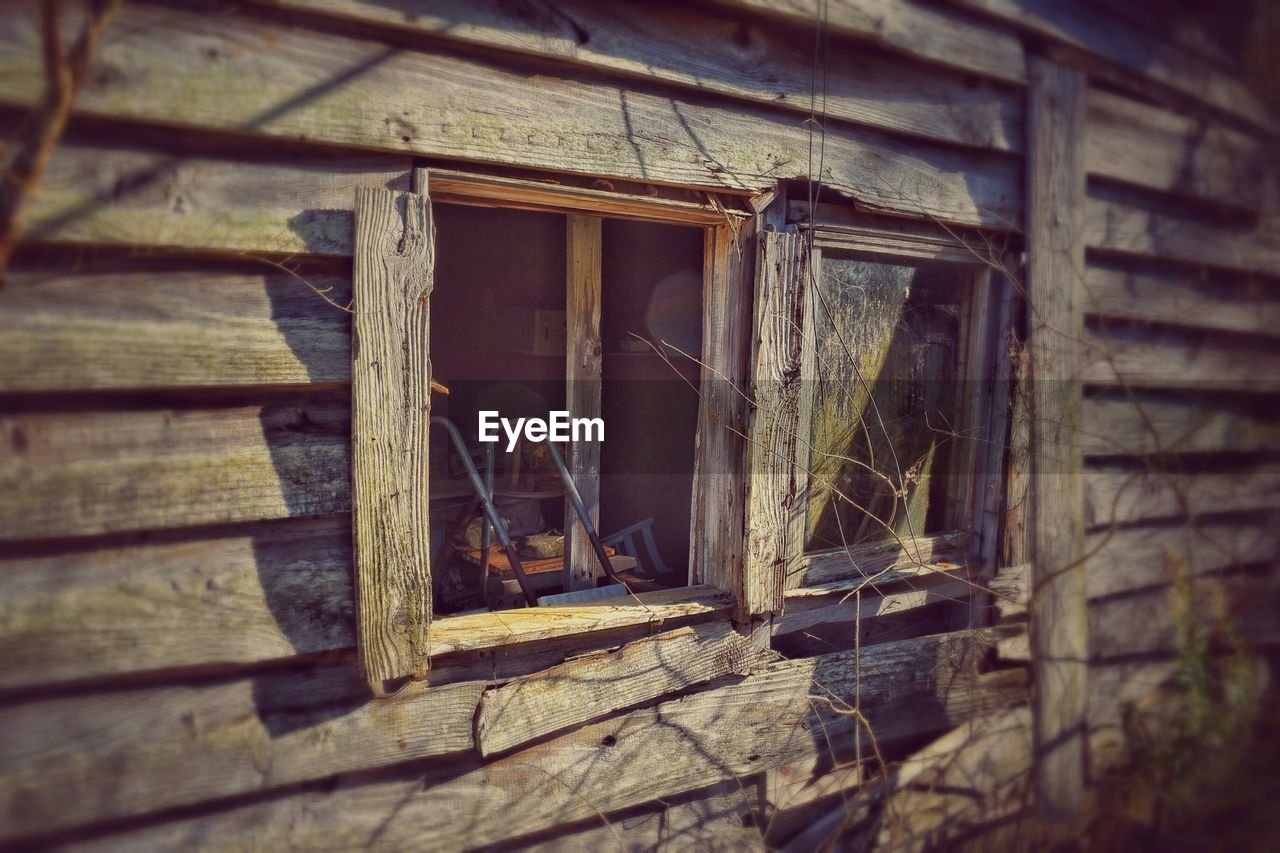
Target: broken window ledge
(475,631)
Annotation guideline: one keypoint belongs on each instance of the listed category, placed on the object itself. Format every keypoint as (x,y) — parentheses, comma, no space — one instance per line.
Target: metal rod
(484,524)
(581,509)
(490,511)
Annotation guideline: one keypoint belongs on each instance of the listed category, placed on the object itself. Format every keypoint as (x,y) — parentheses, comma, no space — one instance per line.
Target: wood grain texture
(76,475)
(238,596)
(140,197)
(169,329)
(773,538)
(902,558)
(1137,358)
(1127,561)
(851,611)
(908,689)
(1159,149)
(596,686)
(390,415)
(1146,622)
(1131,51)
(1114,426)
(75,760)
(936,35)
(266,592)
(1194,299)
(1128,228)
(1055,270)
(230,73)
(583,303)
(731,55)
(1127,496)
(555,196)
(656,609)
(1139,557)
(719,489)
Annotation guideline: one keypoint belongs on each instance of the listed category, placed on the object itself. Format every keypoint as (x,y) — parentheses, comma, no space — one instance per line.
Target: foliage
(1204,774)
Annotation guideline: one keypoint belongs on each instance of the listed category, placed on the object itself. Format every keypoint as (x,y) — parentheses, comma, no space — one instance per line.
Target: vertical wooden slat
(1055,268)
(582,309)
(719,495)
(391,410)
(773,541)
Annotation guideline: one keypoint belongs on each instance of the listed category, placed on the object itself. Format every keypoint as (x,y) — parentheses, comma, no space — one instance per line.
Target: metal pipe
(580,508)
(484,525)
(490,511)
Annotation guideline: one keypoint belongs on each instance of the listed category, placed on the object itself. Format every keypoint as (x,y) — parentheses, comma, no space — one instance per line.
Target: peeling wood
(586,689)
(774,528)
(390,413)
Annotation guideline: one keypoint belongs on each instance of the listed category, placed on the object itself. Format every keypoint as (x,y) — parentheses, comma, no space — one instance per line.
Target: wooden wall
(176,609)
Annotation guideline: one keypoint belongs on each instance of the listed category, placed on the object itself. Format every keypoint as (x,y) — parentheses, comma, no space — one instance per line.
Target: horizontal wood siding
(177,612)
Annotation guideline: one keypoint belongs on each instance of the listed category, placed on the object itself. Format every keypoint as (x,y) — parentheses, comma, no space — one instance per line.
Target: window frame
(969,541)
(397,633)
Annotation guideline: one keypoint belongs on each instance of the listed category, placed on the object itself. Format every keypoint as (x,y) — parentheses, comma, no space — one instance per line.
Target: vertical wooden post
(773,539)
(582,314)
(719,491)
(390,413)
(1055,269)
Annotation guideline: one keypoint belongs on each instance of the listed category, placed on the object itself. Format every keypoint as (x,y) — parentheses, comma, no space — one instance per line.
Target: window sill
(507,627)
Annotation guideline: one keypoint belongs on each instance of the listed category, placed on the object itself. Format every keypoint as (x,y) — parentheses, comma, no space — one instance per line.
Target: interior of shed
(498,343)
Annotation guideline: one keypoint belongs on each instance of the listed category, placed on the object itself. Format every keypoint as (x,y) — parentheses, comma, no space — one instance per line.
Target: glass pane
(886,401)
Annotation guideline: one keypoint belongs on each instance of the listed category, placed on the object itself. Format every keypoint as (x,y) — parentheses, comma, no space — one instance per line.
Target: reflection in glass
(886,401)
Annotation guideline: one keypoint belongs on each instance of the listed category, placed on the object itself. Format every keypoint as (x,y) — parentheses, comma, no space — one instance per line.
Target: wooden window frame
(970,543)
(394,256)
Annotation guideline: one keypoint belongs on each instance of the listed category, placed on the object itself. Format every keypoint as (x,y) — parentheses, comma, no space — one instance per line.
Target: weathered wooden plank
(656,609)
(774,538)
(1131,51)
(908,689)
(716,819)
(1147,146)
(108,472)
(844,227)
(851,610)
(91,194)
(1125,497)
(76,760)
(1130,560)
(257,593)
(556,196)
(935,35)
(881,561)
(230,73)
(1116,426)
(1151,621)
(1124,227)
(719,489)
(390,416)
(1137,357)
(583,302)
(263,593)
(1055,269)
(592,687)
(1193,300)
(167,329)
(741,58)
